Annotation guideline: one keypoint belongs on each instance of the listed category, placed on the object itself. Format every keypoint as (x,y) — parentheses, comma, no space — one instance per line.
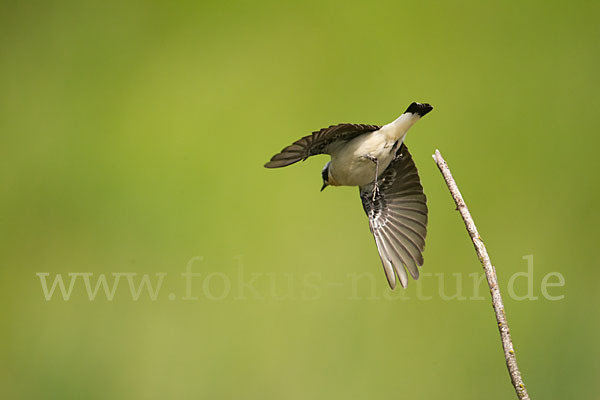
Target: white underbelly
(349,167)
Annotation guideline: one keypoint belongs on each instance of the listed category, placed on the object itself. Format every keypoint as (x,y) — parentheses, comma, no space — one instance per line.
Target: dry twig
(490,274)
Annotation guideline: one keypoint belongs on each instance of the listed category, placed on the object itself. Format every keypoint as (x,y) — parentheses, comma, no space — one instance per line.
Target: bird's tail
(397,130)
(419,109)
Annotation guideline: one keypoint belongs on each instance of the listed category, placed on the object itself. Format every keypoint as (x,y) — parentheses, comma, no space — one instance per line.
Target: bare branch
(490,274)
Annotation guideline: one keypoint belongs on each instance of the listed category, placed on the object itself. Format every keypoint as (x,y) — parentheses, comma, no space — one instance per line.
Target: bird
(376,159)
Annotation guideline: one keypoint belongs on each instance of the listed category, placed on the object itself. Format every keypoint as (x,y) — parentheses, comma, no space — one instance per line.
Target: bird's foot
(375,191)
(375,185)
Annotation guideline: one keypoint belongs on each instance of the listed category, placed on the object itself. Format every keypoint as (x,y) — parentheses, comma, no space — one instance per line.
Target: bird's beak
(324,186)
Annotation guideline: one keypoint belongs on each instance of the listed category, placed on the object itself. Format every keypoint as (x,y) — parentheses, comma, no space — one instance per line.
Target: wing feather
(385,260)
(398,217)
(392,256)
(318,143)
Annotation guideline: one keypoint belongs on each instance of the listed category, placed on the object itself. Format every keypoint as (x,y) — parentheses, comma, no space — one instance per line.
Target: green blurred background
(132,139)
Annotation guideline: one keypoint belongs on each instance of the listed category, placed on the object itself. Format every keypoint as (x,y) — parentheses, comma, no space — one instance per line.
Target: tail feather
(419,109)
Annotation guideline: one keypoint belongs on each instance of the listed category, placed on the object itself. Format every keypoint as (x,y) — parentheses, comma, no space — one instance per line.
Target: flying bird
(375,159)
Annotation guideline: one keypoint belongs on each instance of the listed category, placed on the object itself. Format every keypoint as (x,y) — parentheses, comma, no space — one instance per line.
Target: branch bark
(490,274)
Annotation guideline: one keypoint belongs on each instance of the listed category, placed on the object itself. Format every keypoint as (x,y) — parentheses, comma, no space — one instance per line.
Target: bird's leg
(375,184)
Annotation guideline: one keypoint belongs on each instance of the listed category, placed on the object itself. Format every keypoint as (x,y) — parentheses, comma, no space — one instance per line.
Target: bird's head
(325,175)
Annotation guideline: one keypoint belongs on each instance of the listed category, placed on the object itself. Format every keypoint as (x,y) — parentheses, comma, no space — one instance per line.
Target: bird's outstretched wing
(398,218)
(317,143)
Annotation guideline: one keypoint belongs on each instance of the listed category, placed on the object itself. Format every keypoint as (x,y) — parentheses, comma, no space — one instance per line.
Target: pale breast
(349,167)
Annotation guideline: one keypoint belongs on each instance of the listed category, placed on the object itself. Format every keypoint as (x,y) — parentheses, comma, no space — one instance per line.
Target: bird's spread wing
(398,218)
(317,143)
